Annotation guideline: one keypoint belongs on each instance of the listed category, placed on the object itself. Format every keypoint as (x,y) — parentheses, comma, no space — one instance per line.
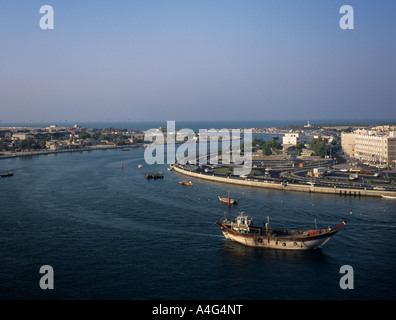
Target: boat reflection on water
(239,256)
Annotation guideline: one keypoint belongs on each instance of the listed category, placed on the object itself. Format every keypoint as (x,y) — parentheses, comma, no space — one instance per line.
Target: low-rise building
(5,133)
(21,135)
(55,145)
(329,138)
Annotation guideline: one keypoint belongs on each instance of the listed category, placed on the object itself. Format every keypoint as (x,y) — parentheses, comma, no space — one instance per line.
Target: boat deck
(277,233)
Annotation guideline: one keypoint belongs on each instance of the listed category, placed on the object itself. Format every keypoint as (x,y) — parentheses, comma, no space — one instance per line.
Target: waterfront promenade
(8,155)
(285,186)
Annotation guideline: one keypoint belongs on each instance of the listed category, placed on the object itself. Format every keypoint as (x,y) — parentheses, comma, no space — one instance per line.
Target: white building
(328,138)
(292,138)
(371,146)
(20,136)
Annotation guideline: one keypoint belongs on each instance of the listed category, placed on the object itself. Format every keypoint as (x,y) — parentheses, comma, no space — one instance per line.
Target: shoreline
(211,177)
(288,186)
(45,152)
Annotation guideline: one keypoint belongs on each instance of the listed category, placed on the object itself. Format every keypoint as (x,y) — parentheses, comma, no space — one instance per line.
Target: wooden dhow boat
(228,200)
(241,230)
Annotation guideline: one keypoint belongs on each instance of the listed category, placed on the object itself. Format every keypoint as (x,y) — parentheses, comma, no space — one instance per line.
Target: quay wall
(287,186)
(46,151)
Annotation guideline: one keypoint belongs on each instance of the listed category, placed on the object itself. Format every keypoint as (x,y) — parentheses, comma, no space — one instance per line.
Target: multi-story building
(292,138)
(375,146)
(392,151)
(348,143)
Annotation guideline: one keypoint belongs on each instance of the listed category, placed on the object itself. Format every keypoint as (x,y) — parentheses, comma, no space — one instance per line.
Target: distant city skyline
(197,60)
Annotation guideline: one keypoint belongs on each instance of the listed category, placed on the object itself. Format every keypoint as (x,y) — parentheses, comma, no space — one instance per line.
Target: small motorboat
(186,183)
(388,197)
(7,174)
(154,175)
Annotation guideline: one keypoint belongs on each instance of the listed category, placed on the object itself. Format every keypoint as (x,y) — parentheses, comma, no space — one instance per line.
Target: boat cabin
(242,224)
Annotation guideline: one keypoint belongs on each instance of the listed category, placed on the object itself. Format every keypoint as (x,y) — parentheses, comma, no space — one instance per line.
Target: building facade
(348,143)
(292,138)
(392,151)
(372,146)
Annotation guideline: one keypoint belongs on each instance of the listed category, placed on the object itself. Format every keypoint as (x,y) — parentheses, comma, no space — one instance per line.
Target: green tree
(269,147)
(96,135)
(107,137)
(31,144)
(85,135)
(299,148)
(318,146)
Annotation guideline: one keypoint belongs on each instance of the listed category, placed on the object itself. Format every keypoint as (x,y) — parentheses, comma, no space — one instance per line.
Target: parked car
(379,188)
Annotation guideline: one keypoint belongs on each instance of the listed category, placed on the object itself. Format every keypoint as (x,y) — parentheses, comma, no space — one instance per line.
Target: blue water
(111,234)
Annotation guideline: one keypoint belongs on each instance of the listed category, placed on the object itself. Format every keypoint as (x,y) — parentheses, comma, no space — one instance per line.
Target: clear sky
(197,60)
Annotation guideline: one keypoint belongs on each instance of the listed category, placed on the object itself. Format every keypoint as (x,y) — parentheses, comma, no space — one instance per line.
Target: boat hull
(306,242)
(226,200)
(154,176)
(9,174)
(186,183)
(388,197)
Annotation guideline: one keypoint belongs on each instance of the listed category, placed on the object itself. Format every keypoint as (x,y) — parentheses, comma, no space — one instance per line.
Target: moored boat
(186,183)
(7,174)
(154,175)
(228,200)
(242,230)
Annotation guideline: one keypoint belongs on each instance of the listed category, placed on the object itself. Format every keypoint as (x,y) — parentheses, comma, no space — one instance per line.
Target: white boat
(227,200)
(140,166)
(388,197)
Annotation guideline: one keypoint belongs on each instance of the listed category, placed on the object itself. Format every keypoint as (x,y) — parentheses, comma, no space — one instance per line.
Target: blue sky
(197,60)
